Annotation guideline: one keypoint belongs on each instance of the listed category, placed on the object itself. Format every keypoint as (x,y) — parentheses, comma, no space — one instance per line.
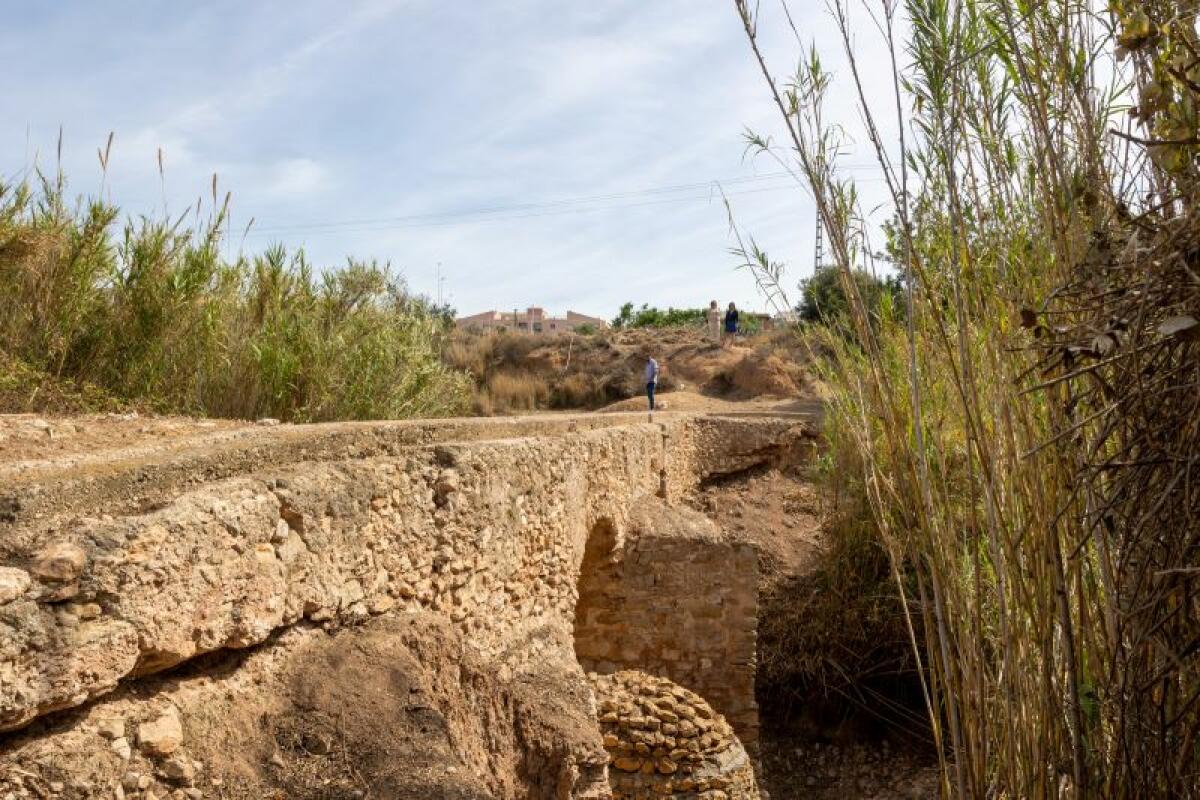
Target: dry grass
(519,372)
(595,370)
(516,391)
(838,630)
(578,390)
(469,353)
(24,389)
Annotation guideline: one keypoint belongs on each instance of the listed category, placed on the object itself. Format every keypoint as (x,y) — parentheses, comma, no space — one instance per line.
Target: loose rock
(60,562)
(179,769)
(111,727)
(13,583)
(122,748)
(163,735)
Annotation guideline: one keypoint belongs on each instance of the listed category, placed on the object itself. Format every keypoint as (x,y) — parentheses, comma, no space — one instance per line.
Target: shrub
(24,389)
(1026,432)
(577,390)
(512,348)
(470,353)
(156,315)
(481,403)
(823,300)
(647,317)
(750,325)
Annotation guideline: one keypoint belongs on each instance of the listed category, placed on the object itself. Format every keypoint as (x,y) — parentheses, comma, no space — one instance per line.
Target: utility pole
(440,279)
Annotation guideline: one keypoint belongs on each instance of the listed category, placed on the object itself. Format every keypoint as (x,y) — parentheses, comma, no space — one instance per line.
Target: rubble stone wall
(490,534)
(665,741)
(673,598)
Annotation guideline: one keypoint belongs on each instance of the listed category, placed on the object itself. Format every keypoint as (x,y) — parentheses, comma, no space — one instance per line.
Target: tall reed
(154,312)
(988,422)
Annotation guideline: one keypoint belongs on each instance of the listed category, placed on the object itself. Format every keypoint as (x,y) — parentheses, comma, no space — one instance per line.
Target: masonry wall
(673,598)
(489,534)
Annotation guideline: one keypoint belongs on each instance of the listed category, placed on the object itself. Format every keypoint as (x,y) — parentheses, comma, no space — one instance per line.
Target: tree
(823,296)
(624,317)
(651,317)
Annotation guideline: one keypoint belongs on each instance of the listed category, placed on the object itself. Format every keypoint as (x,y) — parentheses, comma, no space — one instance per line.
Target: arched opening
(671,597)
(598,611)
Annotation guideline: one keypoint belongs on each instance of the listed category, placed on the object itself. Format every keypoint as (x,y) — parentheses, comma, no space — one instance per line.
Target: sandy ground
(30,437)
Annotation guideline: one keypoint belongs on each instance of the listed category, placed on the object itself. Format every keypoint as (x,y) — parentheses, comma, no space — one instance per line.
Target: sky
(563,154)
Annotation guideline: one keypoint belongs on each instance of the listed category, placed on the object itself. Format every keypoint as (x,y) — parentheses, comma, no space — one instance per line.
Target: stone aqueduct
(556,541)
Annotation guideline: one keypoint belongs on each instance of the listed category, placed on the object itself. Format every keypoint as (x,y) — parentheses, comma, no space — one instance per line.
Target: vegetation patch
(650,317)
(153,313)
(1022,426)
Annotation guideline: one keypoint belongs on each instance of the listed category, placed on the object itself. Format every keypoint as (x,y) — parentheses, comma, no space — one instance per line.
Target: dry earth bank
(517,372)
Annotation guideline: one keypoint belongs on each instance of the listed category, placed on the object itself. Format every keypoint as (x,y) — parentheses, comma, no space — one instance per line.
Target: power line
(434,218)
(527,206)
(541,213)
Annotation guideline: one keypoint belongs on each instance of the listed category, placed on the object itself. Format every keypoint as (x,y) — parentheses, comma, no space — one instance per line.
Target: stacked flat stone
(665,741)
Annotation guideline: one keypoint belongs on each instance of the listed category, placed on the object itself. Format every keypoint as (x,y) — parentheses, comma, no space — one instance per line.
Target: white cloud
(342,112)
(295,176)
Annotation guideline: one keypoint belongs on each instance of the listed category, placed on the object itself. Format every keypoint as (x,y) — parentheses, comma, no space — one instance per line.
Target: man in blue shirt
(651,379)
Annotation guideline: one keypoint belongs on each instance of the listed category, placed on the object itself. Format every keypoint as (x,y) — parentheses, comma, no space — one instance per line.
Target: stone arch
(672,597)
(598,609)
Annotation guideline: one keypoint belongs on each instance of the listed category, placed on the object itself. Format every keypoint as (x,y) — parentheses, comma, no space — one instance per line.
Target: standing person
(713,315)
(731,323)
(651,380)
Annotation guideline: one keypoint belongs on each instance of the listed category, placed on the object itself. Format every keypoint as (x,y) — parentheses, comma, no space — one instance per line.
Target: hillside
(520,373)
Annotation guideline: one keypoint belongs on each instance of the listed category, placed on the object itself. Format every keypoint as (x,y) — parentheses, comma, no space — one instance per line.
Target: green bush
(647,317)
(154,313)
(750,324)
(823,298)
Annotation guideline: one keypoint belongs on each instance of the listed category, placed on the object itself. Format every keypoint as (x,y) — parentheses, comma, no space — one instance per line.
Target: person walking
(713,316)
(731,323)
(651,380)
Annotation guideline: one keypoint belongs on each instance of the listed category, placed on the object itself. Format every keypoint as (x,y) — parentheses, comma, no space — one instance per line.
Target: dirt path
(694,402)
(30,439)
(127,463)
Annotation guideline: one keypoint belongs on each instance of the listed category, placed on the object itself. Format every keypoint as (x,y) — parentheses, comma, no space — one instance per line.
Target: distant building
(766,322)
(531,320)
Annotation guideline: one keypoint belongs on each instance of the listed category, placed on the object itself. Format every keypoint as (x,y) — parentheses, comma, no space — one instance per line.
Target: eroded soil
(397,708)
(836,753)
